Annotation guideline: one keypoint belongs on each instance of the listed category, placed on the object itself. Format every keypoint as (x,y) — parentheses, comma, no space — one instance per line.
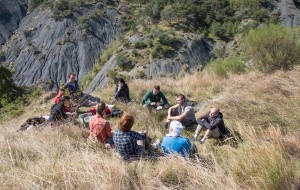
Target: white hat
(176,128)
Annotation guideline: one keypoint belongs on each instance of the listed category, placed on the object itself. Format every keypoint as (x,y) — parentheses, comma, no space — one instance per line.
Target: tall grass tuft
(222,67)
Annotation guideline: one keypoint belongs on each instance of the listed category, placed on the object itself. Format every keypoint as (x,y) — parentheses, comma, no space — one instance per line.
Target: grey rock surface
(190,56)
(100,79)
(289,13)
(45,51)
(194,55)
(11,13)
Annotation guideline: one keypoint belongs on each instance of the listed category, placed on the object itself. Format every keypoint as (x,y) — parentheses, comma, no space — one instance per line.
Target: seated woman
(174,143)
(99,127)
(122,92)
(58,112)
(63,91)
(126,140)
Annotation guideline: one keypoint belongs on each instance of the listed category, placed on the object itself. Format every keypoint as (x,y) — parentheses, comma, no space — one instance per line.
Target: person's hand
(153,103)
(145,132)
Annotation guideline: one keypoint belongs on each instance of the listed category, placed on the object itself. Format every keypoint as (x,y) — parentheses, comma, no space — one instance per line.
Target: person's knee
(167,106)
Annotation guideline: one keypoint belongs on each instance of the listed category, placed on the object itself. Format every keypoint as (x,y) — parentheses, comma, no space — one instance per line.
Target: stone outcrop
(100,79)
(44,50)
(190,56)
(289,13)
(11,13)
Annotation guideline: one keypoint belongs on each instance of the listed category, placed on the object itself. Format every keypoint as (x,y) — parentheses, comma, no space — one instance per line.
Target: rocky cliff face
(289,13)
(11,13)
(44,50)
(193,56)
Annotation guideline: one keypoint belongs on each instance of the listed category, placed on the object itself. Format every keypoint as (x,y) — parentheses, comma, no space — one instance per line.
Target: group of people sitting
(126,142)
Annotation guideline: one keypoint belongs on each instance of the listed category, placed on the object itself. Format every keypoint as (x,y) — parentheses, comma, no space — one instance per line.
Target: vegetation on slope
(263,109)
(12,97)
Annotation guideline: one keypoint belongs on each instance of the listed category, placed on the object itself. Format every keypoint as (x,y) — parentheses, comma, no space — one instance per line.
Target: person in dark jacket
(155,99)
(72,83)
(83,99)
(122,91)
(57,112)
(213,123)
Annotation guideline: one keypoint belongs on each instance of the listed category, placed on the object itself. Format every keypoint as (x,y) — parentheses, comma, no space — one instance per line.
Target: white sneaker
(159,108)
(202,140)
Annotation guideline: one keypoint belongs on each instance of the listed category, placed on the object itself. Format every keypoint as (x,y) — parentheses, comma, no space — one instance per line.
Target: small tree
(9,91)
(272,47)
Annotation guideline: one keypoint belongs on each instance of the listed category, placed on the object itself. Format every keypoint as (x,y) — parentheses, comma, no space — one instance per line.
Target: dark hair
(100,107)
(157,87)
(181,96)
(126,122)
(69,75)
(122,81)
(63,98)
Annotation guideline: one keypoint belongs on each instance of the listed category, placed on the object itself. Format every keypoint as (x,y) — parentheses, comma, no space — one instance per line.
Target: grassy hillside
(263,109)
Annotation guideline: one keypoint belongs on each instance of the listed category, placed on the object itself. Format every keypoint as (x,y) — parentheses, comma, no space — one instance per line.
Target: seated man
(174,143)
(122,92)
(155,99)
(181,112)
(213,123)
(79,97)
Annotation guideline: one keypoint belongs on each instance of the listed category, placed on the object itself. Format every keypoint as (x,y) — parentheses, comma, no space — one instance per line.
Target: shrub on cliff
(272,48)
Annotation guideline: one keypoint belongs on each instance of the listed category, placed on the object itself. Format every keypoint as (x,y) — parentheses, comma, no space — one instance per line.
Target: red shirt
(56,100)
(58,95)
(97,126)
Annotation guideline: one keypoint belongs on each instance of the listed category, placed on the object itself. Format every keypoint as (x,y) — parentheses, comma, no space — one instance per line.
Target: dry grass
(262,109)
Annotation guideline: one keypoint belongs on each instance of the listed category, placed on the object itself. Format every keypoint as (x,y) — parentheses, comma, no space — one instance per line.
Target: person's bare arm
(171,109)
(178,117)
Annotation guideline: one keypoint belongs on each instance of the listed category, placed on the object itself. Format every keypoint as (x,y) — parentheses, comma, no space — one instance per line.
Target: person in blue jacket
(174,143)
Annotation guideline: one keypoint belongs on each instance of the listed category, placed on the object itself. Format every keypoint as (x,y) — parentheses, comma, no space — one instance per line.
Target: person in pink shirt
(99,127)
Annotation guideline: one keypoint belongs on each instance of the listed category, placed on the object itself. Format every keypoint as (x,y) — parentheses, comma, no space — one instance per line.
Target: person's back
(101,128)
(126,140)
(178,145)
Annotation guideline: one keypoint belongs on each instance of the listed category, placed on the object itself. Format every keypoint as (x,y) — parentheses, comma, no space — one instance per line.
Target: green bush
(123,62)
(222,67)
(140,45)
(2,56)
(12,97)
(34,3)
(272,47)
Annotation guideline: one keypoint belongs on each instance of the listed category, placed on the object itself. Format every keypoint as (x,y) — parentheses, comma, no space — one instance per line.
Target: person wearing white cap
(174,142)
